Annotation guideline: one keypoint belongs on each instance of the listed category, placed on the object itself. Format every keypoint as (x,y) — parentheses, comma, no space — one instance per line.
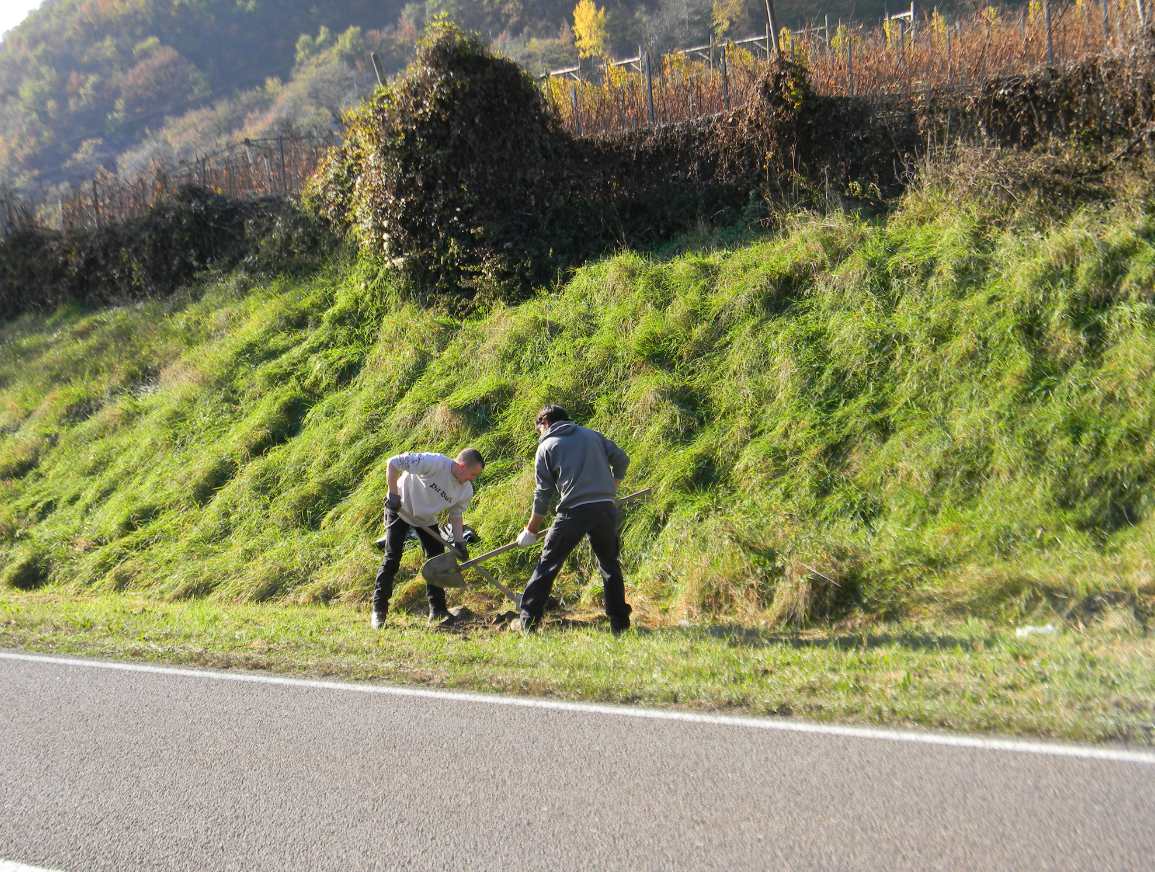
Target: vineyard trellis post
(725,64)
(1050,35)
(772,30)
(376,67)
(1106,20)
(649,87)
(284,177)
(850,66)
(577,122)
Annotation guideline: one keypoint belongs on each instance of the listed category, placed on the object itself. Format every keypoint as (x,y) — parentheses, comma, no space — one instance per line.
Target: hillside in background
(949,408)
(117,85)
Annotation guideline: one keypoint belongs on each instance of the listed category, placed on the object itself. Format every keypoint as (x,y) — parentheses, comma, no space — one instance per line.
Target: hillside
(117,86)
(950,408)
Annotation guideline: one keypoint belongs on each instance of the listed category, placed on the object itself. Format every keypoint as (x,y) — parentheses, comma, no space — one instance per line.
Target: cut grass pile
(938,413)
(1094,685)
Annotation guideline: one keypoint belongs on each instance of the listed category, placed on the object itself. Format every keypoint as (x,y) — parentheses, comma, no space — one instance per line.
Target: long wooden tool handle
(504,548)
(635,494)
(487,555)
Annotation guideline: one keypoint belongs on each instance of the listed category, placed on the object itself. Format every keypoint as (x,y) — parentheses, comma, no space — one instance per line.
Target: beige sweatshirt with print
(428,488)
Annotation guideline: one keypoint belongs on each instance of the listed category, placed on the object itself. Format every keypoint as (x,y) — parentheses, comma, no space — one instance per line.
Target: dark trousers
(599,521)
(395,531)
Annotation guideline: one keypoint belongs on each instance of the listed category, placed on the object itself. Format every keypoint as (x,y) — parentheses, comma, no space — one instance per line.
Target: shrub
(463,176)
(155,254)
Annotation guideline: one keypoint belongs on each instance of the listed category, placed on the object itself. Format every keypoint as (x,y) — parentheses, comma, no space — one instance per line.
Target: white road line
(1085,752)
(9,866)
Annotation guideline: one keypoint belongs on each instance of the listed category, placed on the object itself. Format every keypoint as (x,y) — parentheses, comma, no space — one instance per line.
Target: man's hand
(526,538)
(460,549)
(393,502)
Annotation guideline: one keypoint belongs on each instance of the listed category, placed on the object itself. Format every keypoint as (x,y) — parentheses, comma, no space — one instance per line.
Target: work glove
(526,538)
(460,549)
(393,502)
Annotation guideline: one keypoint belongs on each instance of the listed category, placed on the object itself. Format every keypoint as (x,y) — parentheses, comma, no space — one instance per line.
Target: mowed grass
(972,676)
(942,414)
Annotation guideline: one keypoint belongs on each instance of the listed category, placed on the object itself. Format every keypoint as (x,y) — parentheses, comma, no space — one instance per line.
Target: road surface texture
(137,767)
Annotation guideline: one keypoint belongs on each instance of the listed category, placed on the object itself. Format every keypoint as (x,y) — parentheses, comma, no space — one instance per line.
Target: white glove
(526,538)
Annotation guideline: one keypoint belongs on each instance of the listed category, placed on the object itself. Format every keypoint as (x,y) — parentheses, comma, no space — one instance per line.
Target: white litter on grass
(1045,630)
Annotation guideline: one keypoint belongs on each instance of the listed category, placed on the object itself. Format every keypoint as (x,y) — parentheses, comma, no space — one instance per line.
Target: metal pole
(577,122)
(377,67)
(95,203)
(1050,36)
(1106,21)
(1142,13)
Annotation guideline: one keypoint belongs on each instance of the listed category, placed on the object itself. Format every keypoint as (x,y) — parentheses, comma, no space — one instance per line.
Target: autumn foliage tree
(589,29)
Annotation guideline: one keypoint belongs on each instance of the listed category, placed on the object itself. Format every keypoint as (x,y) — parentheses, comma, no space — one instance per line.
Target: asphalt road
(111,769)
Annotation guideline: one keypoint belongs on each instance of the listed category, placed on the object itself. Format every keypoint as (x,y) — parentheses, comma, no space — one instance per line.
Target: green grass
(946,413)
(1092,686)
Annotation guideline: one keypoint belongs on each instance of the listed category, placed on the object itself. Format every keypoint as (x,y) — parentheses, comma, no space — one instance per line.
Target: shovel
(444,570)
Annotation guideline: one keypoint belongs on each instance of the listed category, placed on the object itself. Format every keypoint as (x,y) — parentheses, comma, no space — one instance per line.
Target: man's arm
(619,460)
(412,462)
(545,486)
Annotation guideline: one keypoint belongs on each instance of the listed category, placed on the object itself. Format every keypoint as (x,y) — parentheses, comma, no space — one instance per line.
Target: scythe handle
(512,545)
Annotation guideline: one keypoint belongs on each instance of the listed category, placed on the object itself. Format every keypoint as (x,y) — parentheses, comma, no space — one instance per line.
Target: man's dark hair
(471,457)
(551,415)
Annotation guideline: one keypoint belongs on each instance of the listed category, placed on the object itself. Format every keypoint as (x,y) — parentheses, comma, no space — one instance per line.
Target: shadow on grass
(738,636)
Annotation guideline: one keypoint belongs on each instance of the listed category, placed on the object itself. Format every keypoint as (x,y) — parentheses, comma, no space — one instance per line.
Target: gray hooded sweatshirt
(579,464)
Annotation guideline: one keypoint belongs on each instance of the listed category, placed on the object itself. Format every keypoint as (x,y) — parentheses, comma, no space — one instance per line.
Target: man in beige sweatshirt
(421,486)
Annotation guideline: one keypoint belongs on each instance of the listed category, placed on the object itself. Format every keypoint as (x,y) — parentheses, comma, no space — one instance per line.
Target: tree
(727,13)
(589,29)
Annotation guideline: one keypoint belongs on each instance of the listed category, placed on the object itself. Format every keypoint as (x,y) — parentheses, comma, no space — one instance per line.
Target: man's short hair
(471,457)
(551,415)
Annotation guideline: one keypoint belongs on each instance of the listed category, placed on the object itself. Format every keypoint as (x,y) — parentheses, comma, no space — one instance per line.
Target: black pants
(395,531)
(599,521)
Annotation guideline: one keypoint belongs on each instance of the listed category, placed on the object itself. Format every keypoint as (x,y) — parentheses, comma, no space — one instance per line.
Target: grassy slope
(942,412)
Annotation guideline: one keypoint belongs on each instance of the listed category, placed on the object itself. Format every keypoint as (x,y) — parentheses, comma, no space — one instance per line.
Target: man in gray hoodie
(583,468)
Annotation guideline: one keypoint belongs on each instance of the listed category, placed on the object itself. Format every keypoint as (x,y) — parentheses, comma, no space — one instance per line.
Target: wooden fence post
(1050,35)
(649,88)
(1106,21)
(95,203)
(577,122)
